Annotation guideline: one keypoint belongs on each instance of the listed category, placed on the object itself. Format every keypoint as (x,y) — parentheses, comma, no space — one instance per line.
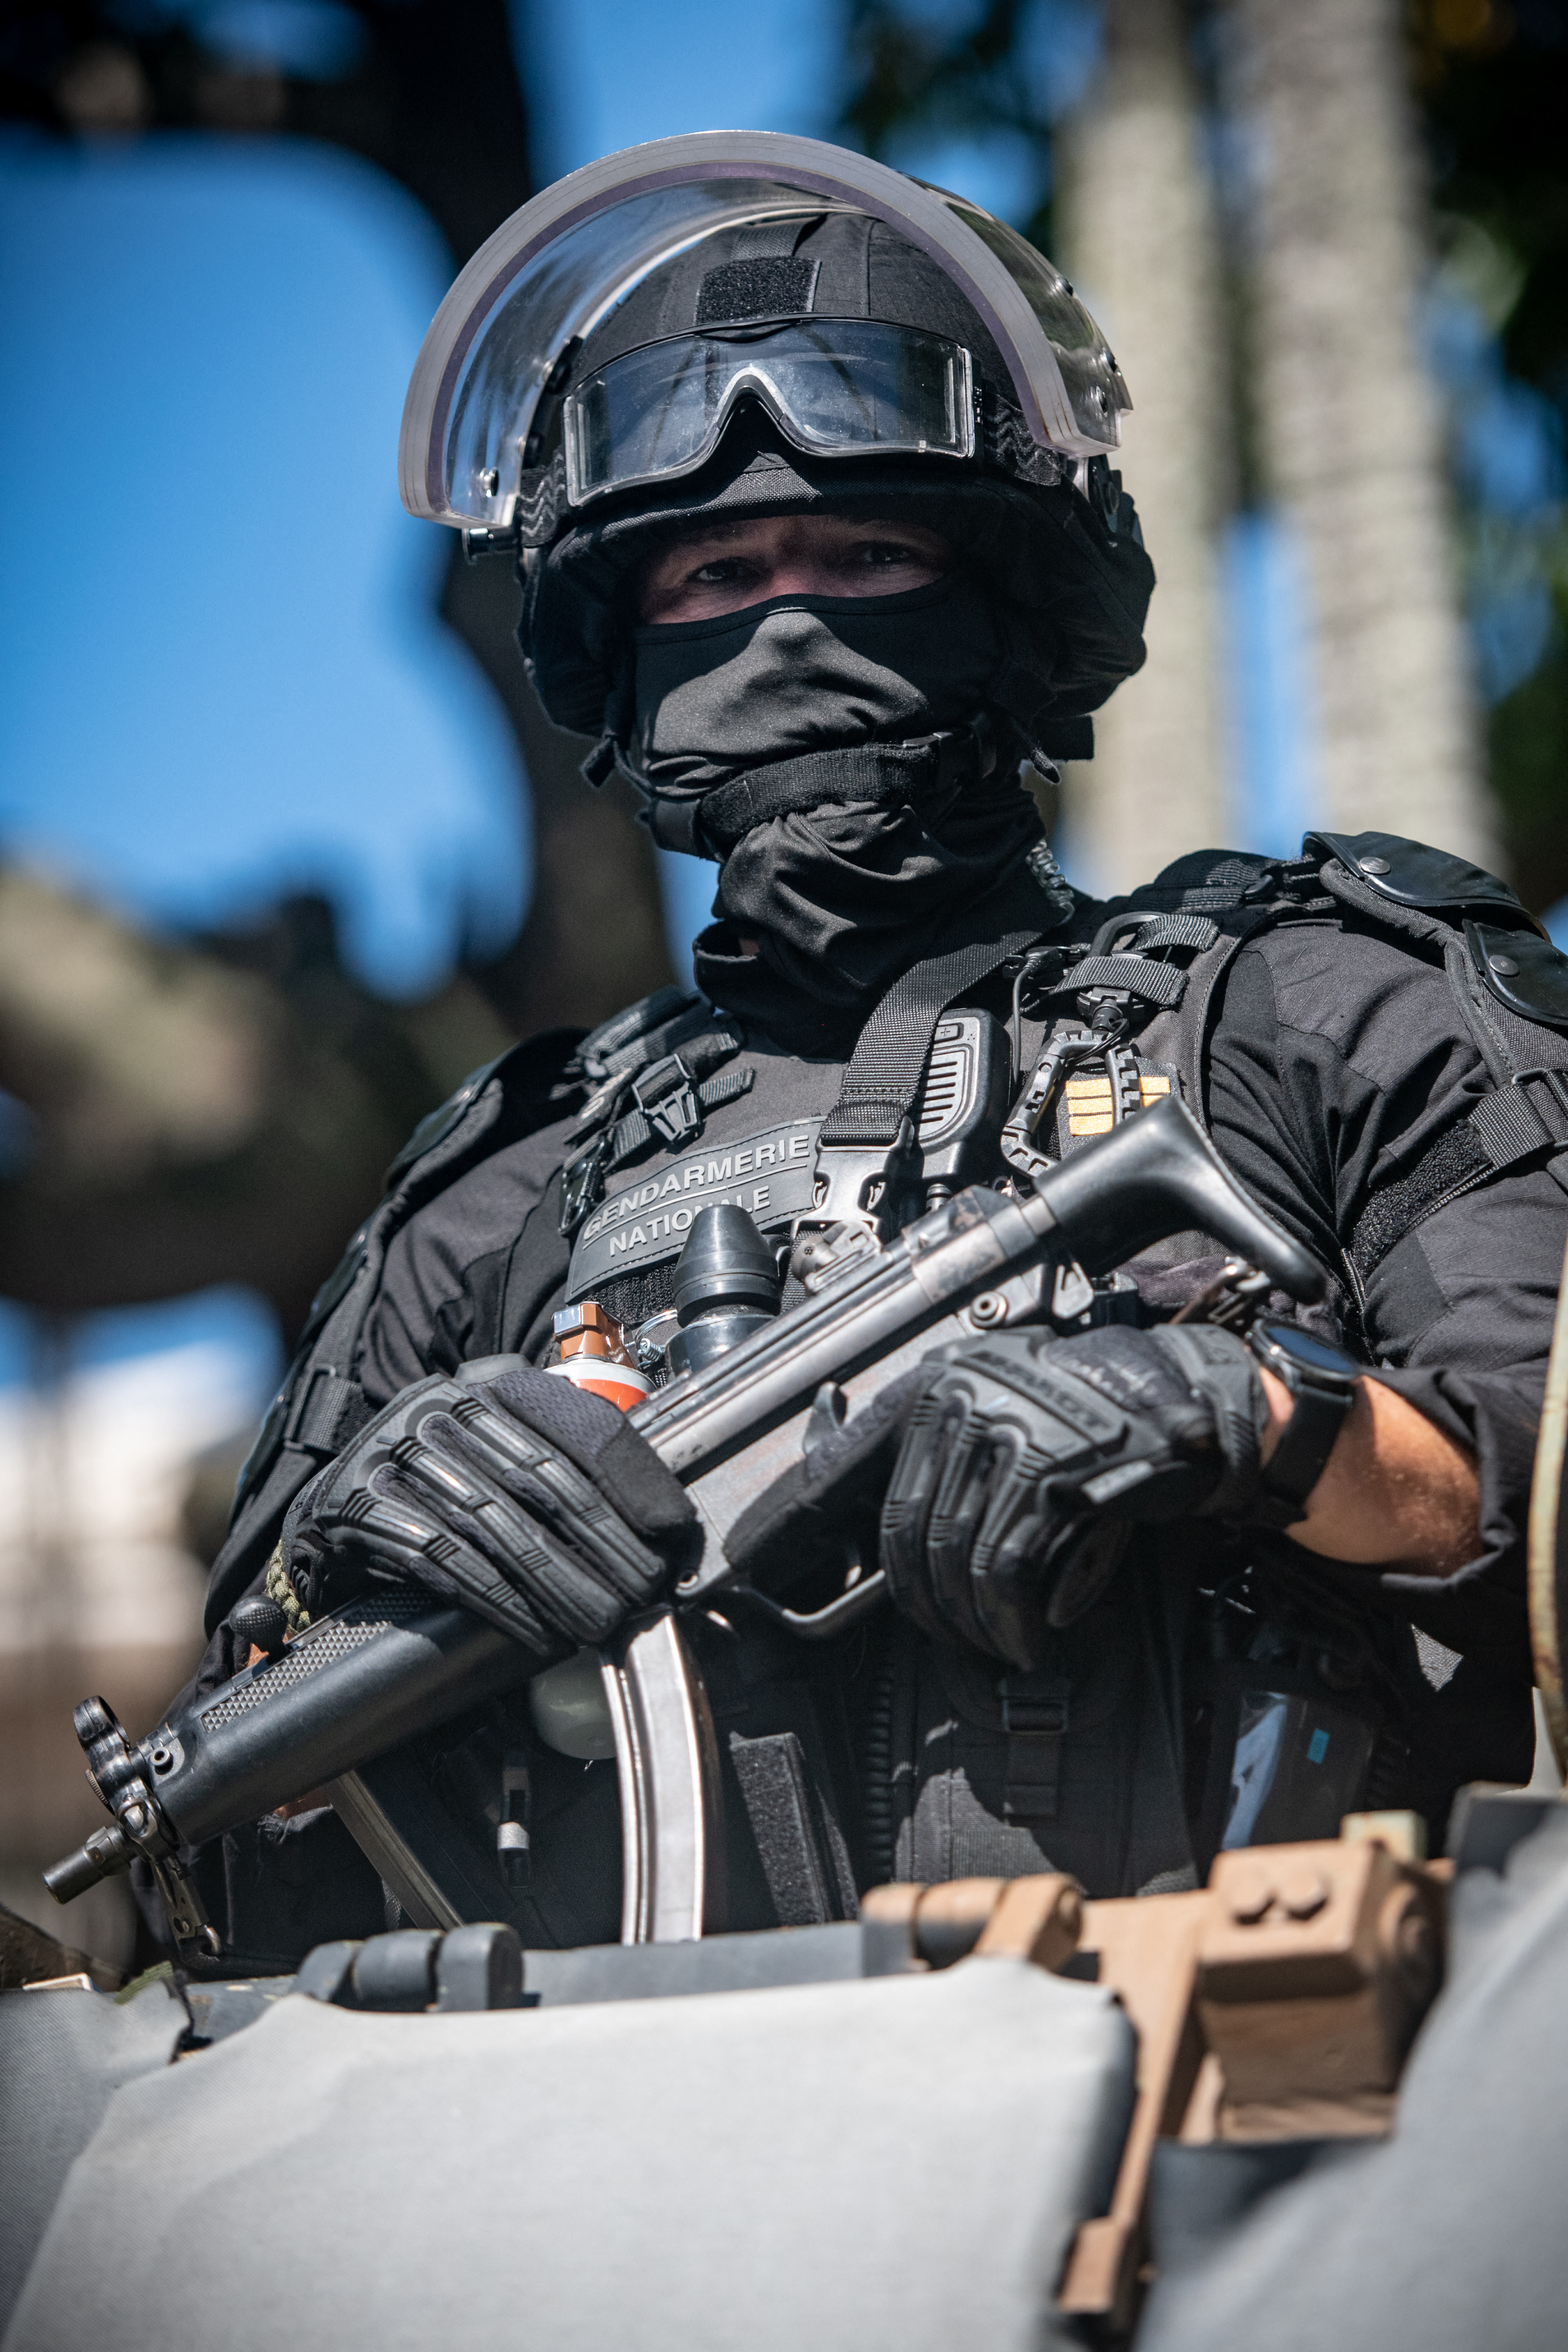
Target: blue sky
(603,74)
(227,675)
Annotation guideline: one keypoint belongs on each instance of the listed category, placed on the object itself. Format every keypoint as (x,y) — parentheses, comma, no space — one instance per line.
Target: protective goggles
(836,388)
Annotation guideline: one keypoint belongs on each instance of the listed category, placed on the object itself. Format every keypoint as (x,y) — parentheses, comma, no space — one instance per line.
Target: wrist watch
(1321,1379)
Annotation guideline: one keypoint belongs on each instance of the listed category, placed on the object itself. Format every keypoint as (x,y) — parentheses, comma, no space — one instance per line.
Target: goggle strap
(541,502)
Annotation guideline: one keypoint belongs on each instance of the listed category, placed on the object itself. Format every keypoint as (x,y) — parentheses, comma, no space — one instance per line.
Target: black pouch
(1287,1758)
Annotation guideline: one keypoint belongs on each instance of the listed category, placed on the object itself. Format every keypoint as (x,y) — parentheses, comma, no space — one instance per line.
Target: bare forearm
(1396,1492)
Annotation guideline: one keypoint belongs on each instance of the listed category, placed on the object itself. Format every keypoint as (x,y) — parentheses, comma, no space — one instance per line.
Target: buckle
(665,1094)
(583,1184)
(860,1186)
(1029,1715)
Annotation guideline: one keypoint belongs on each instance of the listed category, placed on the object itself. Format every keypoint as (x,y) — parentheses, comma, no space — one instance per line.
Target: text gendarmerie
(769,1175)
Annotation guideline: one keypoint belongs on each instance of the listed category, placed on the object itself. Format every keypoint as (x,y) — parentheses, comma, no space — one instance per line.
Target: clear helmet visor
(557,267)
(834,387)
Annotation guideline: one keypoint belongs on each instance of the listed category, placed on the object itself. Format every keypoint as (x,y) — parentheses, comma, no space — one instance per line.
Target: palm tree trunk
(1140,239)
(1350,427)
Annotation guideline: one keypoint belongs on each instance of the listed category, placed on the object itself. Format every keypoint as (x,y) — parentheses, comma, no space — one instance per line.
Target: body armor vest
(1165,1722)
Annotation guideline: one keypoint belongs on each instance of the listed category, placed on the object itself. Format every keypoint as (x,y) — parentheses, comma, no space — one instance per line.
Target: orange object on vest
(594,1356)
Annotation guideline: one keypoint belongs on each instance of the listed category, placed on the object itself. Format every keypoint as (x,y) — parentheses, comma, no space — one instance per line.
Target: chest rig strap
(868,1137)
(1035,1718)
(1125,976)
(657,1086)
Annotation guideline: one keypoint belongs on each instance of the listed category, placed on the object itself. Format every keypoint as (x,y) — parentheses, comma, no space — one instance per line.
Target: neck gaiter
(845,897)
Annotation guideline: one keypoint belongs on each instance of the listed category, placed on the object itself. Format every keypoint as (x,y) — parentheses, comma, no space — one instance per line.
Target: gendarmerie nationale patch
(770,1175)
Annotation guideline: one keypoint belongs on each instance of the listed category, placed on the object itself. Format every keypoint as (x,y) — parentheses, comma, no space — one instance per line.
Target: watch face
(1312,1354)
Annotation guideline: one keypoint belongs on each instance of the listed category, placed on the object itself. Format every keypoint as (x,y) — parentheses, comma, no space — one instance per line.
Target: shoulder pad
(1526,973)
(623,1029)
(1411,875)
(1203,878)
(437,1124)
(338,1282)
(530,1068)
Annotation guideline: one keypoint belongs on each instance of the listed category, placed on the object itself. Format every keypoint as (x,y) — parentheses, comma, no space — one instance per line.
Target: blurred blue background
(206,346)
(224,331)
(204,339)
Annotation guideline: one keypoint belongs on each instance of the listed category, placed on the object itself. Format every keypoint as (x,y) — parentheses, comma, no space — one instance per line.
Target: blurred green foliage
(1492,83)
(926,74)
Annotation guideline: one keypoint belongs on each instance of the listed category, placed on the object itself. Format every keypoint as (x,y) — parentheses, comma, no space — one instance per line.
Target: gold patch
(1089,1107)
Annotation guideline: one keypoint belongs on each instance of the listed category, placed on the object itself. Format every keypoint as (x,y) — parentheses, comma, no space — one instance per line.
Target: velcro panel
(1454,1161)
(768,287)
(771,1771)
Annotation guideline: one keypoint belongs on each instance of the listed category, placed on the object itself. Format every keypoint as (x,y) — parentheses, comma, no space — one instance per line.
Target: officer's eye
(874,552)
(722,570)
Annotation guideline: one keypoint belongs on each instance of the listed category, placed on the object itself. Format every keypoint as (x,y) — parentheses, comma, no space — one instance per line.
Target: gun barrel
(101,1856)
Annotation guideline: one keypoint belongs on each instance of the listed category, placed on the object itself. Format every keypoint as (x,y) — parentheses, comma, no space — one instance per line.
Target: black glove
(1026,1459)
(524,1499)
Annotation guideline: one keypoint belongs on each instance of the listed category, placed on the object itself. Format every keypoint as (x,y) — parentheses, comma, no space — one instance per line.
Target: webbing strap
(631,1134)
(887,1069)
(1510,1123)
(329,1412)
(600,1046)
(1164,984)
(1178,930)
(620,1061)
(1034,1710)
(700,1053)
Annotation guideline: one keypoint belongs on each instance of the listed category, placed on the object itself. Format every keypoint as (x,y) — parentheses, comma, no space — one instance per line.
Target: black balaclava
(806,674)
(844,895)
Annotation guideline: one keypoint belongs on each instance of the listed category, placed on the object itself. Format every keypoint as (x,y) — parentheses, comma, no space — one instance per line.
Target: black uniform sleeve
(442,1299)
(1339,1061)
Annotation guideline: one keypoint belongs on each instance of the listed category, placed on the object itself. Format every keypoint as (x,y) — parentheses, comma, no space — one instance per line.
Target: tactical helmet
(748,323)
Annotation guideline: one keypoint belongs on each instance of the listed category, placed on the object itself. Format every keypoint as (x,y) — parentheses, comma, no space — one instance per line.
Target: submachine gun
(328,1710)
